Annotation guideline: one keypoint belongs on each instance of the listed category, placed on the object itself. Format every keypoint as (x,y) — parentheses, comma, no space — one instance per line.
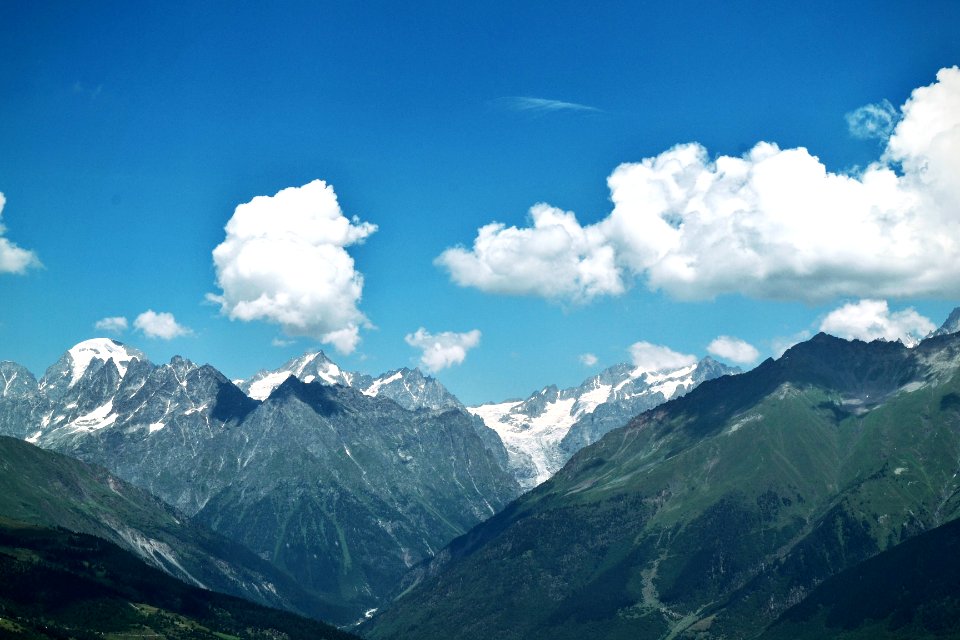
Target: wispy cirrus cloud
(873,121)
(541,105)
(91,92)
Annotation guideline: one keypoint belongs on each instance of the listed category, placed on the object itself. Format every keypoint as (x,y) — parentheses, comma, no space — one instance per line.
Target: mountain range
(341,490)
(712,515)
(343,481)
(697,502)
(52,490)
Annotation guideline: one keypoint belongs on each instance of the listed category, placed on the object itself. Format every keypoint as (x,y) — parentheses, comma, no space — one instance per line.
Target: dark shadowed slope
(49,489)
(911,591)
(59,584)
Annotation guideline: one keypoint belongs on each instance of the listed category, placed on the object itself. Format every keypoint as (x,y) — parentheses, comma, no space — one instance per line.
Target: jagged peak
(15,379)
(404,372)
(548,391)
(411,389)
(950,325)
(300,363)
(179,362)
(309,367)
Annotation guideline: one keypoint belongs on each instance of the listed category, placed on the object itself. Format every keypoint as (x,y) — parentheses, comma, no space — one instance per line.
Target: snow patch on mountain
(263,387)
(668,382)
(531,441)
(374,388)
(593,398)
(535,430)
(102,416)
(8,380)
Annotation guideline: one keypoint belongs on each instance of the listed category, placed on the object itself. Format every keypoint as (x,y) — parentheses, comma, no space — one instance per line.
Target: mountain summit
(309,367)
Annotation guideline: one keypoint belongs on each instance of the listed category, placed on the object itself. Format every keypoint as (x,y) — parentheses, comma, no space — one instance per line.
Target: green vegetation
(59,584)
(911,591)
(50,489)
(713,514)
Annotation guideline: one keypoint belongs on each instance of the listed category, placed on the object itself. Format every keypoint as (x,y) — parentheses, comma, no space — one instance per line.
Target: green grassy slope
(59,584)
(713,514)
(49,489)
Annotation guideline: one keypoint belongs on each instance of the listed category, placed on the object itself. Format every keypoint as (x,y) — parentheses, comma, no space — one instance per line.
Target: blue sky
(130,133)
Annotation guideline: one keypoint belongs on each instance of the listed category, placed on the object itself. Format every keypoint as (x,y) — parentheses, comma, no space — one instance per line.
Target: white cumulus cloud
(14,259)
(772,224)
(113,324)
(733,349)
(872,320)
(654,357)
(443,349)
(556,258)
(284,260)
(588,359)
(160,325)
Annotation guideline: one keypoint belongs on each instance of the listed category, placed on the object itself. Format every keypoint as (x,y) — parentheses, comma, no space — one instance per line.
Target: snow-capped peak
(103,349)
(310,367)
(317,365)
